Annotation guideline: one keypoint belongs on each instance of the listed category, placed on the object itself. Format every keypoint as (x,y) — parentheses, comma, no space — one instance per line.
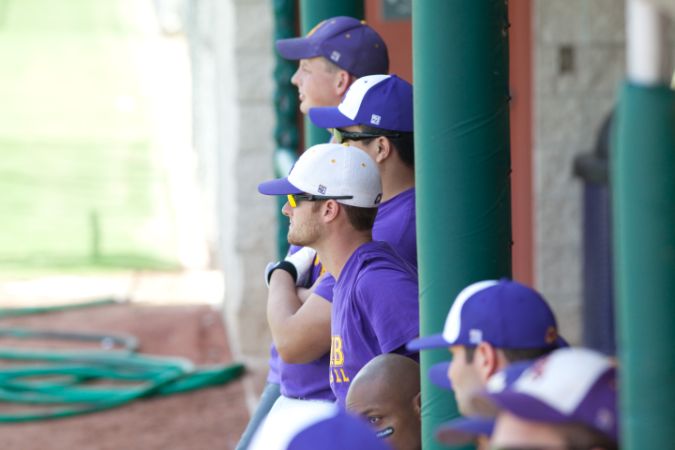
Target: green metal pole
(643,171)
(462,165)
(286,109)
(311,13)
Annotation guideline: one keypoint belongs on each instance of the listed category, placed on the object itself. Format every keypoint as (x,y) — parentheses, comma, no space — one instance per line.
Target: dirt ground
(211,418)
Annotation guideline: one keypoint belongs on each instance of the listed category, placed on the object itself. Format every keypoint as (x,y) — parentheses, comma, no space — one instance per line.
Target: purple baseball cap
(438,374)
(381,101)
(340,432)
(570,385)
(504,313)
(347,42)
(464,430)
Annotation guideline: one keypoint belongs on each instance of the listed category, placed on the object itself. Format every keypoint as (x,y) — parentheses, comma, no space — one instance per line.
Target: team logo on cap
(322,189)
(375,119)
(551,335)
(335,56)
(604,419)
(475,336)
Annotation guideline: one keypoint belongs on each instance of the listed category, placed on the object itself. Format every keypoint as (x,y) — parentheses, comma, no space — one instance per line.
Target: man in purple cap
(490,325)
(567,399)
(333,193)
(376,115)
(335,53)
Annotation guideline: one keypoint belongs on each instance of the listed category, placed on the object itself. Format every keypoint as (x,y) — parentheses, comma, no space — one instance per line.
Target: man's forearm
(301,331)
(282,304)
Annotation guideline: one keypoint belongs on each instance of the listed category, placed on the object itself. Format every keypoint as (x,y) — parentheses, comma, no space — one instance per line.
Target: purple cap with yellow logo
(348,42)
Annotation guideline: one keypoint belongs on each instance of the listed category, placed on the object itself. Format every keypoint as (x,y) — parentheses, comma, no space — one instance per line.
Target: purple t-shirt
(375,310)
(303,381)
(273,375)
(395,224)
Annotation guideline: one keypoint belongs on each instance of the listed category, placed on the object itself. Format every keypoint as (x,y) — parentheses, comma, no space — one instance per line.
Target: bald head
(386,392)
(397,376)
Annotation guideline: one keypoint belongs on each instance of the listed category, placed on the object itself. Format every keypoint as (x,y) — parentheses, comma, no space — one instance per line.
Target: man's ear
(383,149)
(417,404)
(342,82)
(486,360)
(330,210)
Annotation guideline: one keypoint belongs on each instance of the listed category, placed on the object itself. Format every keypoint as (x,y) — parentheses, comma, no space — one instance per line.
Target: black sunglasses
(340,136)
(294,199)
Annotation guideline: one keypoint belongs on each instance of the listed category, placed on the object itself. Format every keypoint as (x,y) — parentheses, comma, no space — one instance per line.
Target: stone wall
(231,43)
(578,64)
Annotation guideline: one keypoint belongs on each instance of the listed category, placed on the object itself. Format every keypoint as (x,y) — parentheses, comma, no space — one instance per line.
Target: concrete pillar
(243,78)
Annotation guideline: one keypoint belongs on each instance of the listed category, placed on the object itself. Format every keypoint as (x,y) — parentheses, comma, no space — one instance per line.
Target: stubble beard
(303,235)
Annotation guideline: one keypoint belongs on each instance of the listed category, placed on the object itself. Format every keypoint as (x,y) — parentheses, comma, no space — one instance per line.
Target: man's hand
(303,261)
(298,265)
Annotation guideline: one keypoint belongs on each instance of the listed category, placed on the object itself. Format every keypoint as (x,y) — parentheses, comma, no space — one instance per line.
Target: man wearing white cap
(333,193)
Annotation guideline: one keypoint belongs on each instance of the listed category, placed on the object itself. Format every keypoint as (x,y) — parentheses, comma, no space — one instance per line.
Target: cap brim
(427,342)
(438,374)
(525,406)
(280,186)
(296,48)
(329,117)
(464,430)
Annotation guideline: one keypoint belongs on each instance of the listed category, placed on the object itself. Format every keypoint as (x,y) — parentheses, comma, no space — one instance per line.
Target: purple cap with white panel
(339,432)
(348,42)
(504,313)
(314,425)
(380,101)
(570,385)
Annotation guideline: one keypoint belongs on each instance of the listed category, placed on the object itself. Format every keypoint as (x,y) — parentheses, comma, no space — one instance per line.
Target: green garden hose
(51,384)
(16,312)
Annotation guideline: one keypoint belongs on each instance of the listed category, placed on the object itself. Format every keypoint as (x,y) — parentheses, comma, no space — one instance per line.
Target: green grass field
(78,180)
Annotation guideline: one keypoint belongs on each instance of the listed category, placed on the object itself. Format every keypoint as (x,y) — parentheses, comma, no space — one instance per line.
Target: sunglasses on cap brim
(340,136)
(294,199)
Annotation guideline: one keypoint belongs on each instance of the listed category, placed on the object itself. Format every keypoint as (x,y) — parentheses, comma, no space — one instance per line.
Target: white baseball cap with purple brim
(331,171)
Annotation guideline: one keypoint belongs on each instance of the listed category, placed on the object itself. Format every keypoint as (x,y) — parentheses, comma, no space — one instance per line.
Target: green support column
(311,13)
(286,111)
(643,171)
(462,165)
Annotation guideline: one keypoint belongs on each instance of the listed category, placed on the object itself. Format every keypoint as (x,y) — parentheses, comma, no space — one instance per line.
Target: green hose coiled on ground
(51,384)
